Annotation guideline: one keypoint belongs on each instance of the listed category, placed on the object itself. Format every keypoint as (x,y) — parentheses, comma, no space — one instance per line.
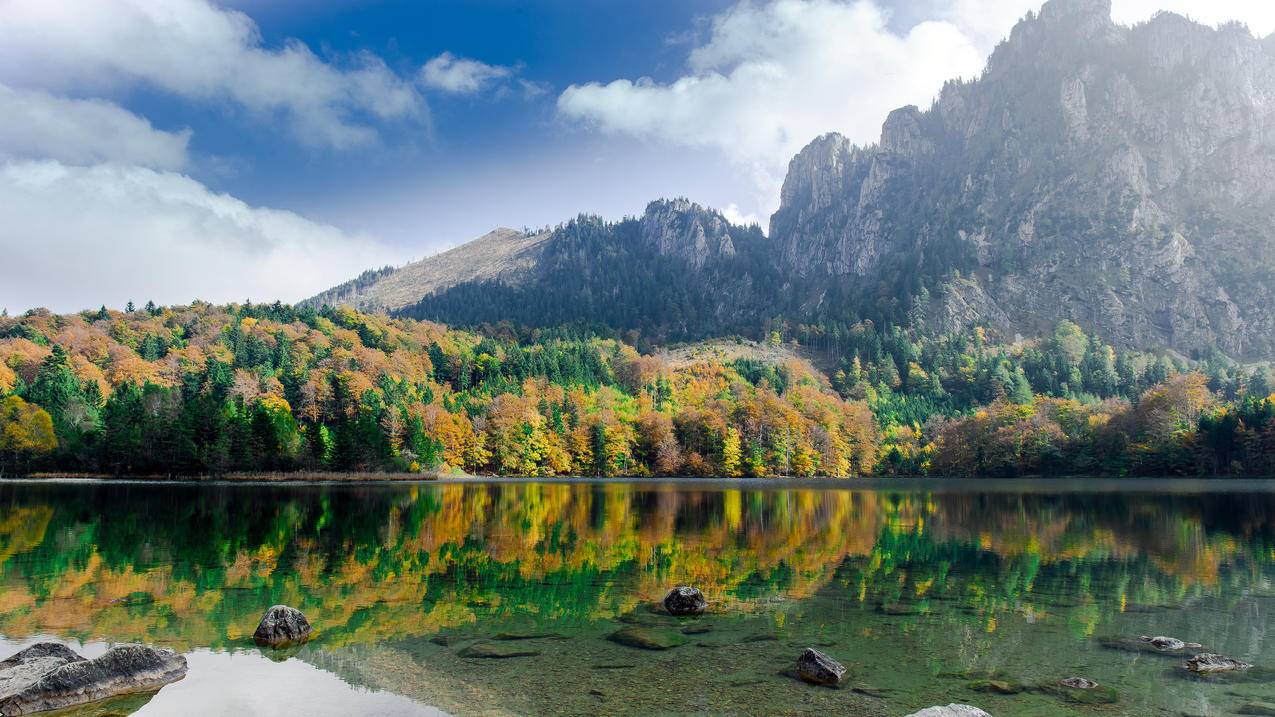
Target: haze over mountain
(1117,176)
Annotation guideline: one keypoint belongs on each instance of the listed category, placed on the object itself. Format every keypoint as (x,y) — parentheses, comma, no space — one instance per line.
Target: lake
(929,593)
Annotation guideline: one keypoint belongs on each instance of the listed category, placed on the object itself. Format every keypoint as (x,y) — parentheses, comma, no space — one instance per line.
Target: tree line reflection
(196,565)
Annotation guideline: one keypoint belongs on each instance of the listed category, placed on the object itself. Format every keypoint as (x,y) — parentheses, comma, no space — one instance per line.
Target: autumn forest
(246,389)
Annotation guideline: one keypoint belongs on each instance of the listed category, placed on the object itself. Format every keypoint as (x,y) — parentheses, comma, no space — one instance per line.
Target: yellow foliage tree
(26,430)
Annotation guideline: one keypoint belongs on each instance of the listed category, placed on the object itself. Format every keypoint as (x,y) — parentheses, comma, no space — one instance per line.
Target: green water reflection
(903,586)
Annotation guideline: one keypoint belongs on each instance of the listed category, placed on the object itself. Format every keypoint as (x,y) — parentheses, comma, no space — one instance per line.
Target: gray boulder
(50,676)
(952,710)
(685,600)
(818,669)
(282,626)
(1208,662)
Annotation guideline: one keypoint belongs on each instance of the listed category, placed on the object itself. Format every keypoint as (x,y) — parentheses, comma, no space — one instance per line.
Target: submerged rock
(1208,662)
(1257,708)
(685,600)
(1000,687)
(952,710)
(1081,691)
(508,636)
(1160,642)
(1079,683)
(282,626)
(50,676)
(496,651)
(1165,646)
(647,638)
(818,669)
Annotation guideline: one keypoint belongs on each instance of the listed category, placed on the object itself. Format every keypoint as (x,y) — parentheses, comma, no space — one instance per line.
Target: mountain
(678,271)
(502,255)
(1120,177)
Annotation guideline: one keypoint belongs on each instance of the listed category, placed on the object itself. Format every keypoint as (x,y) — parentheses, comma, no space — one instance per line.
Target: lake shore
(1025,485)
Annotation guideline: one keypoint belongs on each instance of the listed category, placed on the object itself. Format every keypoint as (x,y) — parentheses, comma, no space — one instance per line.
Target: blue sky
(182,149)
(492,158)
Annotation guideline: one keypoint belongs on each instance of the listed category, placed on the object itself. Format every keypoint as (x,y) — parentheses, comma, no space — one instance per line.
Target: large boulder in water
(685,600)
(50,676)
(818,669)
(952,710)
(1208,662)
(282,626)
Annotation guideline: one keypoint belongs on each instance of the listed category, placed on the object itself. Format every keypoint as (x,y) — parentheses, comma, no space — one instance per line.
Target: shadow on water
(483,597)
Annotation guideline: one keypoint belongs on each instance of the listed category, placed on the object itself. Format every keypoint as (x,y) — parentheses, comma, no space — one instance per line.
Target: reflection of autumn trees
(189,566)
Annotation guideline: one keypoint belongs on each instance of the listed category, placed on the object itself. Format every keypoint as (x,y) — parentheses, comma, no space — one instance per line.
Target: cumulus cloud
(461,75)
(771,77)
(77,237)
(196,50)
(35,125)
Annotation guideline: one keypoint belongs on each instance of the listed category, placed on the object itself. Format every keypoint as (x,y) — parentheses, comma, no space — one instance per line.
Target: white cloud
(771,77)
(77,237)
(461,75)
(36,125)
(738,217)
(196,50)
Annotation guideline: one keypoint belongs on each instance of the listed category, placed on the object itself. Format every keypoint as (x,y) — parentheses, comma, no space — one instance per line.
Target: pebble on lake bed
(282,626)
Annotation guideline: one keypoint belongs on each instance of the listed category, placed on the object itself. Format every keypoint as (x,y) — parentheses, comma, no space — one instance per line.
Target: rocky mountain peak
(902,134)
(684,229)
(1121,177)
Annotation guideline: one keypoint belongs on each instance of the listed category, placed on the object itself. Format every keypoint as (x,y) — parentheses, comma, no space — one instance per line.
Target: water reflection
(374,566)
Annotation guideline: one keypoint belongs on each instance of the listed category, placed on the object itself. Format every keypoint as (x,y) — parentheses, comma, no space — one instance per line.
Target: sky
(231,150)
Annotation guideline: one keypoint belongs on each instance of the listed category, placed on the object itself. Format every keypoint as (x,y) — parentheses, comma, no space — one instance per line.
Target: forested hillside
(204,389)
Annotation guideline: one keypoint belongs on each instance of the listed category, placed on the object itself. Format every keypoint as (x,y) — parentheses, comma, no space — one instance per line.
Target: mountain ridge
(1122,177)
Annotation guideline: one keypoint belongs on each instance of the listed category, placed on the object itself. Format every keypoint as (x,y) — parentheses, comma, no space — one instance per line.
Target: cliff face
(1120,177)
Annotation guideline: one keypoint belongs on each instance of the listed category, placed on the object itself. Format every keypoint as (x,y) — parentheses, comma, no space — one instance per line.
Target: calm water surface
(925,592)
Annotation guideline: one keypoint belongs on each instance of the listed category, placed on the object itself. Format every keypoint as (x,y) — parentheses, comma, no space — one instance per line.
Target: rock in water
(487,650)
(1207,662)
(1257,708)
(685,600)
(1079,683)
(282,626)
(1081,691)
(1161,642)
(1162,646)
(818,669)
(647,638)
(952,710)
(49,676)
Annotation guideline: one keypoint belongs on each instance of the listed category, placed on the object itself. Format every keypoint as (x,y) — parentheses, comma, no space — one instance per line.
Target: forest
(241,389)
